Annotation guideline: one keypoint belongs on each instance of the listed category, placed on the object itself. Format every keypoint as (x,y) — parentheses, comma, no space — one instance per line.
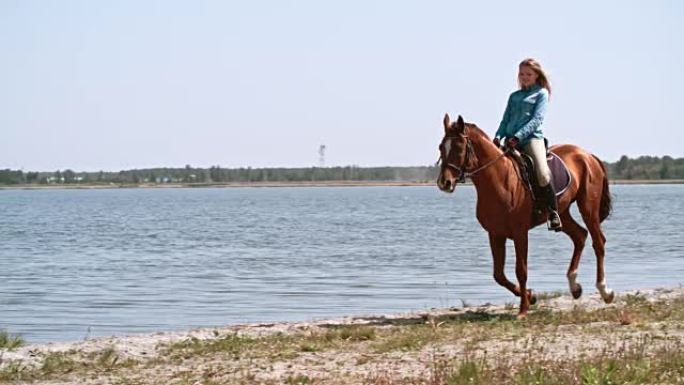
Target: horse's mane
(478,130)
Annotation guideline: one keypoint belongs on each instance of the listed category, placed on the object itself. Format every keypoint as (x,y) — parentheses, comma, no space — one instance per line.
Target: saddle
(560,176)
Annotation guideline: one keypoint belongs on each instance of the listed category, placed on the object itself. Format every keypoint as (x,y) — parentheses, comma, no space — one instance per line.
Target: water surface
(85,263)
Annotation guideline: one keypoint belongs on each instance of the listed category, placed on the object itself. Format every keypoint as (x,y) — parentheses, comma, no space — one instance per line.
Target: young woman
(521,127)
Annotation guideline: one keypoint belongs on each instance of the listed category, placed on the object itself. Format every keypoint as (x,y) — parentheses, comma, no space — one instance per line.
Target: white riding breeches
(537,150)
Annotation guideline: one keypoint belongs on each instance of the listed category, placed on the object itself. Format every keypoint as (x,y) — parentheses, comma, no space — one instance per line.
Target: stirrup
(554,222)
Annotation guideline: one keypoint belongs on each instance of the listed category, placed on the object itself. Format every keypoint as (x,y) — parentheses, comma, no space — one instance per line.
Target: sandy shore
(276,352)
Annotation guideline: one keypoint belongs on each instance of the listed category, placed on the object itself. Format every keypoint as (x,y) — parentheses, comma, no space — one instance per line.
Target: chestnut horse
(504,203)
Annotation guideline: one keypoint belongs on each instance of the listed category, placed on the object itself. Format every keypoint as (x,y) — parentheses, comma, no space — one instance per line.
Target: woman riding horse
(504,204)
(521,127)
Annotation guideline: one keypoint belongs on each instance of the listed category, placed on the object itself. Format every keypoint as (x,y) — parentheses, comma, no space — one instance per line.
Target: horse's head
(455,154)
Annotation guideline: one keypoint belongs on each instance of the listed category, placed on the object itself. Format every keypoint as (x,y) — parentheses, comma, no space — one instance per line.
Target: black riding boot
(554,222)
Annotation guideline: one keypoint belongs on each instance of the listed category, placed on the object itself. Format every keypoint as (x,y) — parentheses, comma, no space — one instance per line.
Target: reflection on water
(138,260)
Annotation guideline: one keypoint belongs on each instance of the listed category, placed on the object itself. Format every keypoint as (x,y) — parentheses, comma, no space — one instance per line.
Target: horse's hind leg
(591,219)
(578,234)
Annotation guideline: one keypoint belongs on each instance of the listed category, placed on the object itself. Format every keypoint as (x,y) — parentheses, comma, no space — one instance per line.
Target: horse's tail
(606,206)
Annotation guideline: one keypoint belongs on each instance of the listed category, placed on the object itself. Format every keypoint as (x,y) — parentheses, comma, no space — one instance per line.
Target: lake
(84,263)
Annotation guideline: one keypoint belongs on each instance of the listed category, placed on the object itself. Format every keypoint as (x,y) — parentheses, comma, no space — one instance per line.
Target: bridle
(443,156)
(463,173)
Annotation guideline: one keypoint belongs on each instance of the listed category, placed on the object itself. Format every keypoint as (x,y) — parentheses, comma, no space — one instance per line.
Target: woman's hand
(497,142)
(512,142)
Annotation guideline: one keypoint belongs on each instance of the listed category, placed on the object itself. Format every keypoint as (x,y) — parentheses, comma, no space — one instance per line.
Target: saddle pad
(560,176)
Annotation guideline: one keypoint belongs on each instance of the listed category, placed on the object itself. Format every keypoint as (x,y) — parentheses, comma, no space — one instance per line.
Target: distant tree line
(217,174)
(644,167)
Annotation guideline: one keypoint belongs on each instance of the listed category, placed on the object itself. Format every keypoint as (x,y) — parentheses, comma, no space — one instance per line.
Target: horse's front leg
(498,246)
(520,241)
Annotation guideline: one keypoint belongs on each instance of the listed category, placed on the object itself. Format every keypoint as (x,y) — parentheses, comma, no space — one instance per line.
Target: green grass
(299,379)
(231,344)
(57,363)
(547,295)
(350,333)
(275,347)
(408,338)
(9,341)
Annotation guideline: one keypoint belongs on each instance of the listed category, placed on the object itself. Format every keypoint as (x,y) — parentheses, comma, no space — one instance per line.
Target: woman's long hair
(542,79)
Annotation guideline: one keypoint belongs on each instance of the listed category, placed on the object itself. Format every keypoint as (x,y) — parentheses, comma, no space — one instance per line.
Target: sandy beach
(428,347)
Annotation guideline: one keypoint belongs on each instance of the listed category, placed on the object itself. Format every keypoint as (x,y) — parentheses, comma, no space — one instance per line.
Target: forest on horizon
(643,167)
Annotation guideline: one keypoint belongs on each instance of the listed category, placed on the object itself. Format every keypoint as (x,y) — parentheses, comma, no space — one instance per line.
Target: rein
(463,172)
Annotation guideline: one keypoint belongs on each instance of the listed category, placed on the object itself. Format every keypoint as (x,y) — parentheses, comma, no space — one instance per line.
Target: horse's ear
(460,124)
(447,122)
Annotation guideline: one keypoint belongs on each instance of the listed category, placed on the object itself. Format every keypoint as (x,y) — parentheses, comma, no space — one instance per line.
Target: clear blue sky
(112,85)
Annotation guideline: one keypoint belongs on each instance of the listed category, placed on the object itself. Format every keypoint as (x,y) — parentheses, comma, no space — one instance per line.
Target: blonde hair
(542,78)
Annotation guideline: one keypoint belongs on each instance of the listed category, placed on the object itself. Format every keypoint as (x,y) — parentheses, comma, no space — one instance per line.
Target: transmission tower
(321,155)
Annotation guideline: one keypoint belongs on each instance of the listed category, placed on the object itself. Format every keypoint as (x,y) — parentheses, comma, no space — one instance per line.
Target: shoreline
(559,302)
(352,349)
(287,184)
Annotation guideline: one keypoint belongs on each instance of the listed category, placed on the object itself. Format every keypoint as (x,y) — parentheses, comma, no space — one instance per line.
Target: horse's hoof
(577,292)
(533,298)
(522,316)
(609,298)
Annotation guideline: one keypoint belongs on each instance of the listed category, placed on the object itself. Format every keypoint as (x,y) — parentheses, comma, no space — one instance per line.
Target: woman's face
(527,76)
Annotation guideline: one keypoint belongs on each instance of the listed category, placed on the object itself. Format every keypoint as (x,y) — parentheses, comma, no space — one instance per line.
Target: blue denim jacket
(524,114)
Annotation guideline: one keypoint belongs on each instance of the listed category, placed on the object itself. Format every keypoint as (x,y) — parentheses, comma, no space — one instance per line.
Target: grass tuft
(547,295)
(9,341)
(350,333)
(232,344)
(58,363)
